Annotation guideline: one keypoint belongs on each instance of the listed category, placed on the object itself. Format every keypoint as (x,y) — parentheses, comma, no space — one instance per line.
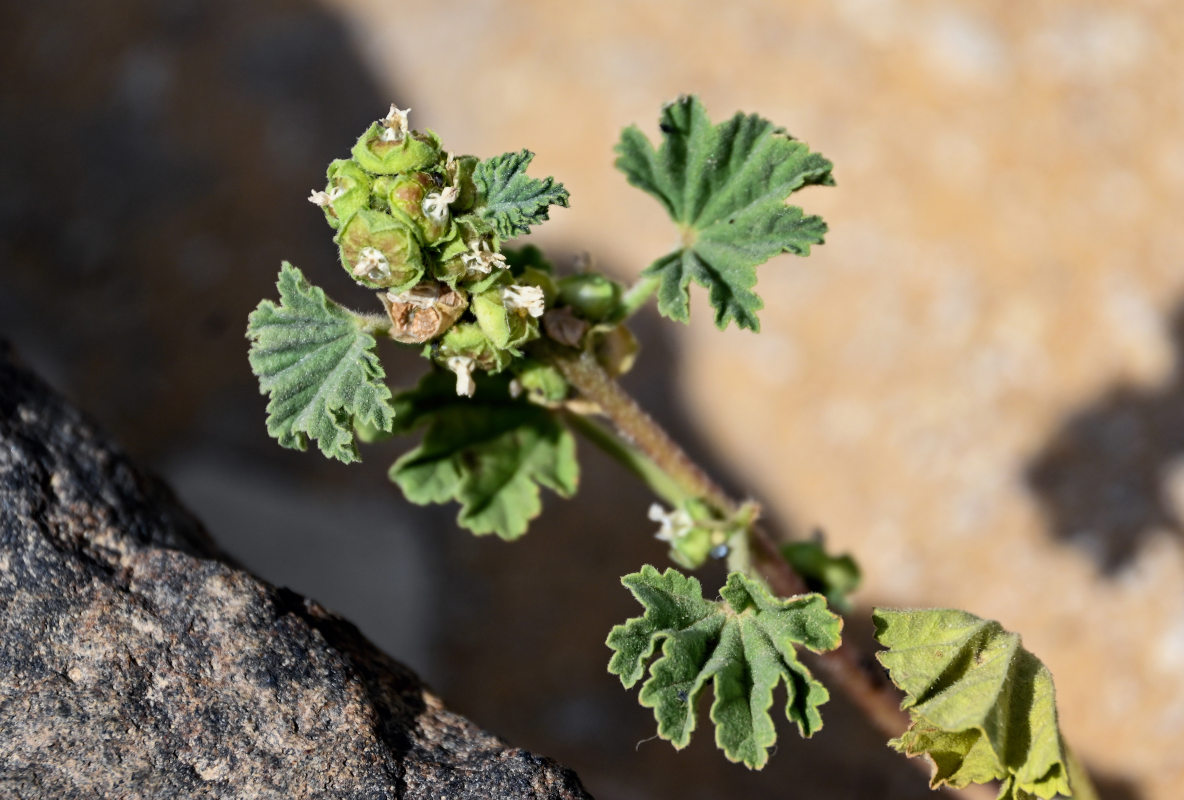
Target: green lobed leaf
(319,368)
(490,453)
(982,707)
(743,644)
(726,186)
(509,199)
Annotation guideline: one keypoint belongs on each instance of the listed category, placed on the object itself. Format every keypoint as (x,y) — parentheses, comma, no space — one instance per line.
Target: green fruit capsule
(420,197)
(347,191)
(504,327)
(380,251)
(593,297)
(379,154)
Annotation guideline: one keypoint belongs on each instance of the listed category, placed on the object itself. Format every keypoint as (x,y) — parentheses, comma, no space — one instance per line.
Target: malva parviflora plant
(520,355)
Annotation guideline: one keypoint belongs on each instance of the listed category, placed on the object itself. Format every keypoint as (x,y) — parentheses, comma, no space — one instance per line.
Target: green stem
(373,324)
(637,462)
(638,295)
(637,427)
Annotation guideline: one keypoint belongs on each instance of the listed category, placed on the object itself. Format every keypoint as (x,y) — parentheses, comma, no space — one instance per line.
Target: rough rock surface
(134,662)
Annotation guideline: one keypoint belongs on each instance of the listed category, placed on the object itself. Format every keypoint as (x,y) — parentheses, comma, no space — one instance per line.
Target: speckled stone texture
(134,662)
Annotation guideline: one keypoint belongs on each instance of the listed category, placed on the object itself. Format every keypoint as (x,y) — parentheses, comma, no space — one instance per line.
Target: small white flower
(515,388)
(323,199)
(394,124)
(423,295)
(674,524)
(463,367)
(529,298)
(435,205)
(481,258)
(372,265)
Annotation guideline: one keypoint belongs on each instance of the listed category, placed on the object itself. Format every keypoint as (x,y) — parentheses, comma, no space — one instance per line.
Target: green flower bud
(467,340)
(543,381)
(692,548)
(504,327)
(348,191)
(411,151)
(380,193)
(593,297)
(380,251)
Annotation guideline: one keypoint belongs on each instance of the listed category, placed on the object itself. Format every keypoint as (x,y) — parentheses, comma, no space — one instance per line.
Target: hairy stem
(631,458)
(637,427)
(373,324)
(638,295)
(646,449)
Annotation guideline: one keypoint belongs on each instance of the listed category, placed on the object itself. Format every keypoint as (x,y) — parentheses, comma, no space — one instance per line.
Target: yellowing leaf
(982,707)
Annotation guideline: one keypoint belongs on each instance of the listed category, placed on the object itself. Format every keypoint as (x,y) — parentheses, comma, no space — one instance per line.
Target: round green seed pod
(348,189)
(593,297)
(412,151)
(407,195)
(380,251)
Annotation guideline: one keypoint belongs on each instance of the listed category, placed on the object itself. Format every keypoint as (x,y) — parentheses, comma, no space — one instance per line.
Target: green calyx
(468,340)
(348,191)
(410,151)
(380,251)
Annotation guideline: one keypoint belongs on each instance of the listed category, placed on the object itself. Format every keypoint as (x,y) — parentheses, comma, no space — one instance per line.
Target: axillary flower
(528,298)
(435,205)
(463,367)
(673,524)
(395,124)
(322,199)
(372,264)
(481,258)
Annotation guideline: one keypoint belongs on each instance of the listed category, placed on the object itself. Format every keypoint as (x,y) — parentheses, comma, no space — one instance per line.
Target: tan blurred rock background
(974,386)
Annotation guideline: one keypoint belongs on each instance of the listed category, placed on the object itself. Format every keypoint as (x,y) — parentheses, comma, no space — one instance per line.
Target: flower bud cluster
(404,214)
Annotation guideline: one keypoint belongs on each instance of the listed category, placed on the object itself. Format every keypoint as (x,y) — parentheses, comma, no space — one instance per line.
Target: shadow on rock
(1104,479)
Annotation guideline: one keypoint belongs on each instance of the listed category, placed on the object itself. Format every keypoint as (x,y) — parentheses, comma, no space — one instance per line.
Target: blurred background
(975,386)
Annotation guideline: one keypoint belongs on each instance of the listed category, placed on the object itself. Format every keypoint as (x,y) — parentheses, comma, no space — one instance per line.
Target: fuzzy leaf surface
(490,453)
(744,645)
(319,368)
(726,187)
(982,707)
(509,199)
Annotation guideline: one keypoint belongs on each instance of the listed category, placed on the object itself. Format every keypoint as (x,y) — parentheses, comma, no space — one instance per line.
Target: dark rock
(136,662)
